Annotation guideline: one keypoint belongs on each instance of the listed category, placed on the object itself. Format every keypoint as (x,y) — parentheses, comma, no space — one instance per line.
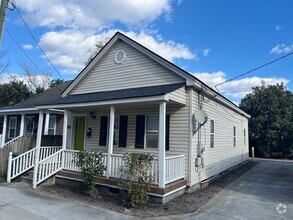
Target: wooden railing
(47,151)
(20,164)
(24,162)
(48,167)
(18,145)
(174,168)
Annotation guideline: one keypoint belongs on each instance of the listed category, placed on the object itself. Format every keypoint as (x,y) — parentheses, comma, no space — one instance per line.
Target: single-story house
(129,99)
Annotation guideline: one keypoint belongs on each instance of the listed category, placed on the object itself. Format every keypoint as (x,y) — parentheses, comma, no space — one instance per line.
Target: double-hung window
(52,125)
(116,131)
(30,124)
(152,131)
(212,131)
(12,127)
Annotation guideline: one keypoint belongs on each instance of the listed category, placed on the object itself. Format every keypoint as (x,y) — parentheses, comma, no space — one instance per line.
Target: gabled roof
(115,95)
(190,79)
(47,95)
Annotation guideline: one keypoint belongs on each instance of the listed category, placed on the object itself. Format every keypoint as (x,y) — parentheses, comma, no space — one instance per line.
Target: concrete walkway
(22,203)
(255,195)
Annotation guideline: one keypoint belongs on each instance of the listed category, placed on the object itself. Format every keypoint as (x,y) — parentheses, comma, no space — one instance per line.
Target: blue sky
(214,40)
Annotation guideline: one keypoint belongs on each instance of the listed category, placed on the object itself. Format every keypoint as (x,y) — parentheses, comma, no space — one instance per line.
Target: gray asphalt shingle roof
(114,95)
(47,95)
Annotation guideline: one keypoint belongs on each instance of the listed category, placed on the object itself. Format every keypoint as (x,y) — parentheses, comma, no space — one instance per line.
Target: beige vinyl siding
(138,70)
(224,155)
(179,95)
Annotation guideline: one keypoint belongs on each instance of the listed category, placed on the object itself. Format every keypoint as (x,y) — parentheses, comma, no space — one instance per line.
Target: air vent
(120,56)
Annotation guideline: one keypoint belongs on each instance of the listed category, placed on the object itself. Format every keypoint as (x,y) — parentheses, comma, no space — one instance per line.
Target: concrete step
(27,179)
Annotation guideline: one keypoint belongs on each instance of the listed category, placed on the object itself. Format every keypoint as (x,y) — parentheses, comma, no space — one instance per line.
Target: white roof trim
(16,110)
(109,102)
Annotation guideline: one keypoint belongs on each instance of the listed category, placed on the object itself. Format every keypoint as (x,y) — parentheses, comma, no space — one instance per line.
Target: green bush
(91,166)
(136,178)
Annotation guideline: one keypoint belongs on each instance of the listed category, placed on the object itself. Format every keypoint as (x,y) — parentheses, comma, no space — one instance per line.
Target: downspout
(199,139)
(190,162)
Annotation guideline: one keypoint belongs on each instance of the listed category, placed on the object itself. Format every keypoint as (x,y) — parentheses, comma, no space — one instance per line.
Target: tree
(271,123)
(55,82)
(38,80)
(98,46)
(13,92)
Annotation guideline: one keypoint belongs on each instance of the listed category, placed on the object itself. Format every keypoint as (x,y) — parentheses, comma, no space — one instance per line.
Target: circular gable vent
(120,56)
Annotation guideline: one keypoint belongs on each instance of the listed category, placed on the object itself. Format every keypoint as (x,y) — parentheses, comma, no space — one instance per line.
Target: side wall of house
(224,154)
(137,70)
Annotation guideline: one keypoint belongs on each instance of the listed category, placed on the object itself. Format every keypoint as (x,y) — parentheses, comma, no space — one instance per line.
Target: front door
(79,133)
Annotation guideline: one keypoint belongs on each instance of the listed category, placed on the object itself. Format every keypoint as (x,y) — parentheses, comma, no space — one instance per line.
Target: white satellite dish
(200,116)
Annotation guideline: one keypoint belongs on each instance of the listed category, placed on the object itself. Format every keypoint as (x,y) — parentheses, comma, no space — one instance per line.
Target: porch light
(92,114)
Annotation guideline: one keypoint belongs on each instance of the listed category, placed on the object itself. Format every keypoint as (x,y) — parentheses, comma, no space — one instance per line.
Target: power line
(37,42)
(15,41)
(257,68)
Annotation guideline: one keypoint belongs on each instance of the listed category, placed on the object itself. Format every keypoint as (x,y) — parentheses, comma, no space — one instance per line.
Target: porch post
(111,138)
(21,132)
(64,138)
(38,146)
(4,130)
(162,143)
(65,122)
(47,124)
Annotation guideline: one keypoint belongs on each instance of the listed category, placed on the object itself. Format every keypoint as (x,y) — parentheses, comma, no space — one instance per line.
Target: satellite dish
(200,116)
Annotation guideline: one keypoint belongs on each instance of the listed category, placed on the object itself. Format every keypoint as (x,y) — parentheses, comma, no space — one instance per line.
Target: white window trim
(10,119)
(212,133)
(145,132)
(55,123)
(117,130)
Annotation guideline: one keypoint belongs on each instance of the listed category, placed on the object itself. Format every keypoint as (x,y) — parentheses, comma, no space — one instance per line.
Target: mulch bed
(186,203)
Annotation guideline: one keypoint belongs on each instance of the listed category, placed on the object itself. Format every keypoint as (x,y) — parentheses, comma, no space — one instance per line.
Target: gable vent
(120,56)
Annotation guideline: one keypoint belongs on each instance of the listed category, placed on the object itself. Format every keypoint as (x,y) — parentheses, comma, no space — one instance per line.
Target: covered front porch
(115,127)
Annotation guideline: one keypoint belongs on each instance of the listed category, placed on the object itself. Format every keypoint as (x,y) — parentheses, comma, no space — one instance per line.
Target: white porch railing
(49,166)
(10,142)
(20,164)
(24,162)
(174,166)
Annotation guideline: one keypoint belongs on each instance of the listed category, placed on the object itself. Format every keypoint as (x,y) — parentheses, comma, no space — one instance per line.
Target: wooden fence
(20,145)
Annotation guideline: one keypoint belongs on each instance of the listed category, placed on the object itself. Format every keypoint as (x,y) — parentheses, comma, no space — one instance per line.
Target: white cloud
(205,52)
(280,27)
(70,49)
(236,89)
(39,80)
(282,48)
(27,46)
(92,14)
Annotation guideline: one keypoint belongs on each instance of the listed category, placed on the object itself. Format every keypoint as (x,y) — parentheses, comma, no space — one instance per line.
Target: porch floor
(113,183)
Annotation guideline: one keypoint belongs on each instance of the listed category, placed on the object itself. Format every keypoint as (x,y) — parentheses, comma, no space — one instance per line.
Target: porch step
(29,179)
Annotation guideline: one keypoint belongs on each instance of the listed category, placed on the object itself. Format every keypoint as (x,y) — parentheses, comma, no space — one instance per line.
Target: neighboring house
(129,99)
(22,119)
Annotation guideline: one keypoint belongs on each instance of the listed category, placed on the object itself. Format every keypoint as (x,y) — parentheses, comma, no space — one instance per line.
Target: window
(30,124)
(52,125)
(12,127)
(234,136)
(116,131)
(212,144)
(152,131)
(244,137)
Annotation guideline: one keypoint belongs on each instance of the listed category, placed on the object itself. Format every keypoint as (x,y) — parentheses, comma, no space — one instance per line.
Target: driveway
(255,195)
(22,203)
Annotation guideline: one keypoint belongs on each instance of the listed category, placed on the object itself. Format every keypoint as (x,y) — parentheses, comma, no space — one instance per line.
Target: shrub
(136,177)
(91,166)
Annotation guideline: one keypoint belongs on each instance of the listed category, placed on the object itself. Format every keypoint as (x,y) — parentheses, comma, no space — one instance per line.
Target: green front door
(79,133)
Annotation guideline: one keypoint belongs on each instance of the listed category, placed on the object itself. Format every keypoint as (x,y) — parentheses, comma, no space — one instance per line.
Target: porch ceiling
(134,94)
